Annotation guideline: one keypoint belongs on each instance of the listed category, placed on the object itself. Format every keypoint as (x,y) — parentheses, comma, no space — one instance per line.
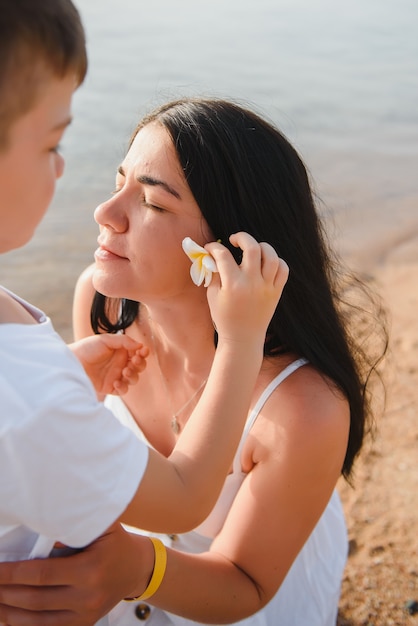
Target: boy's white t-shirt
(68,468)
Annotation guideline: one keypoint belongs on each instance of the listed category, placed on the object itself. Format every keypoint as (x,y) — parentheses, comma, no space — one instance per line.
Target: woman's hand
(112,362)
(79,589)
(243,298)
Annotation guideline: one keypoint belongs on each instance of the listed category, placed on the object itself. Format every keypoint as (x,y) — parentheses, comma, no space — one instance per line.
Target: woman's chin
(103,284)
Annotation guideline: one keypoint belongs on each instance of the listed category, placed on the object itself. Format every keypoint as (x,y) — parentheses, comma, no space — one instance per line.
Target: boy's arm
(112,362)
(242,299)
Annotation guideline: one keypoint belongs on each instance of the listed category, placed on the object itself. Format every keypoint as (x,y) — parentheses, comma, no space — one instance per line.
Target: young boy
(68,469)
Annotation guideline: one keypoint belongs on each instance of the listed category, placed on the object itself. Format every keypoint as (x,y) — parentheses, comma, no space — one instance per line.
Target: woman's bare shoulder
(310,394)
(305,412)
(305,392)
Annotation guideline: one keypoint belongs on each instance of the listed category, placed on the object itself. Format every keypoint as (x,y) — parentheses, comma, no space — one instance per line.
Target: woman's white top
(68,469)
(310,593)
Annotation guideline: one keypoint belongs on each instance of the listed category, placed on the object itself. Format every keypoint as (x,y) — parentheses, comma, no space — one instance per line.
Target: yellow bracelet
(160,563)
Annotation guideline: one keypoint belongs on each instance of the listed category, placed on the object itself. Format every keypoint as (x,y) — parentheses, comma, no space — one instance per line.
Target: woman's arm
(293,458)
(294,462)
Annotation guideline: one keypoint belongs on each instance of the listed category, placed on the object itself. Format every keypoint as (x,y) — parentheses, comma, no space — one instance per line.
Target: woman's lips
(104,254)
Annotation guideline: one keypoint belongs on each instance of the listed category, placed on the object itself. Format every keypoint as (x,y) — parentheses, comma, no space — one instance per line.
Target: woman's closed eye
(144,202)
(151,206)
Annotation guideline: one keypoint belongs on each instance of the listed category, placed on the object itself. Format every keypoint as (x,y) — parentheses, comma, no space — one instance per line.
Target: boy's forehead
(54,105)
(42,88)
(51,111)
(49,83)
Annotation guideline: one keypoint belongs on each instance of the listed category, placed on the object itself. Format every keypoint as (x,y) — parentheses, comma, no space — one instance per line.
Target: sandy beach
(381,580)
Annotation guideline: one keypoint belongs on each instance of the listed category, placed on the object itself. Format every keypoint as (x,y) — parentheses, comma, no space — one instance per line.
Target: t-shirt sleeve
(68,468)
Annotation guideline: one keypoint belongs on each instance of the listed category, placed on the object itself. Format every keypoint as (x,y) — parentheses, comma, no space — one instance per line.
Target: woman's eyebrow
(154,182)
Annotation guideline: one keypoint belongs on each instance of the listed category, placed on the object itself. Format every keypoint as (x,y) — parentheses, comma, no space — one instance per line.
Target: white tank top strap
(292,367)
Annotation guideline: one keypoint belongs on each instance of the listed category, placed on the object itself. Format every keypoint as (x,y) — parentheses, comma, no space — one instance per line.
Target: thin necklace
(175,424)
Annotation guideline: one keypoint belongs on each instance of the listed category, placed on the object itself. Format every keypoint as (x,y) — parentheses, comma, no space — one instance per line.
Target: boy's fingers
(130,375)
(269,262)
(225,262)
(251,251)
(138,362)
(273,268)
(282,274)
(257,257)
(242,240)
(216,280)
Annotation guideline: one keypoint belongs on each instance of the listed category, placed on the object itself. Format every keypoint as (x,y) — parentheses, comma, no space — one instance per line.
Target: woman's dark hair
(245,175)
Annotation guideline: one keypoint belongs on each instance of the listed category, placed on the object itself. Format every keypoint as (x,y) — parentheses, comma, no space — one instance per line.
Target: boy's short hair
(38,39)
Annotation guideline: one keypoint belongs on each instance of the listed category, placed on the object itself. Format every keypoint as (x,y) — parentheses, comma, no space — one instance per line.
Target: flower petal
(197,272)
(209,263)
(208,278)
(191,248)
(203,265)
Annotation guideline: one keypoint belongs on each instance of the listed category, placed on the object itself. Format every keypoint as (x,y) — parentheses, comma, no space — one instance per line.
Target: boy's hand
(112,362)
(243,298)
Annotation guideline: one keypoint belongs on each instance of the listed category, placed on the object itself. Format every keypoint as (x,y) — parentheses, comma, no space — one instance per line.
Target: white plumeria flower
(203,265)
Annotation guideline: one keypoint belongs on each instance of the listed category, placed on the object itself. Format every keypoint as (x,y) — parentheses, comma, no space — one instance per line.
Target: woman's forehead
(152,155)
(152,145)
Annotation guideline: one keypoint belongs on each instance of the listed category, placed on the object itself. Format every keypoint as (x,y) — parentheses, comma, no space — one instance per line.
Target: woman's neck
(180,336)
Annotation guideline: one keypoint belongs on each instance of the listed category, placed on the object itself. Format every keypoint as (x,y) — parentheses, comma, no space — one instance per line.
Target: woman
(274,546)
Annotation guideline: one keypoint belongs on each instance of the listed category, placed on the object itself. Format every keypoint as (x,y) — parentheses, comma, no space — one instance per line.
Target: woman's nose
(111,214)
